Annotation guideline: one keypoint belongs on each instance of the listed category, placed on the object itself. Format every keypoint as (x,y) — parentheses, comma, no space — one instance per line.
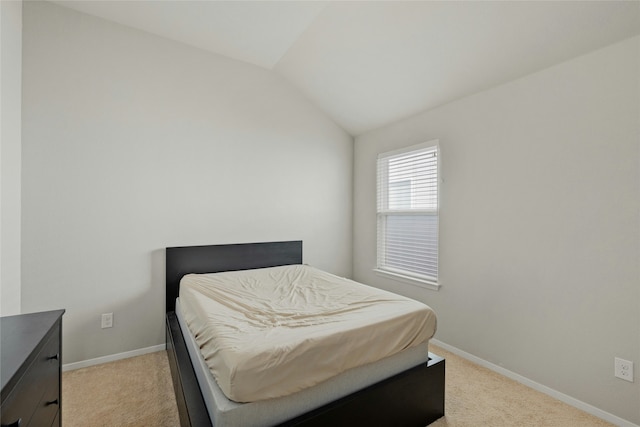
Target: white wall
(132,143)
(10,154)
(540,224)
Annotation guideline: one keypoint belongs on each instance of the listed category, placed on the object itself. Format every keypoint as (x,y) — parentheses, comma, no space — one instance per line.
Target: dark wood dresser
(30,369)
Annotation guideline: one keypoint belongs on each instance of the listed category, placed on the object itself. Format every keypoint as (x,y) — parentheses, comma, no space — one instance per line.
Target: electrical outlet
(107,320)
(624,369)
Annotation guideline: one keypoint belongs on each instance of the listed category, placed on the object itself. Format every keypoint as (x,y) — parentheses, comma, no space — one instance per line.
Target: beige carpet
(476,396)
(126,393)
(138,392)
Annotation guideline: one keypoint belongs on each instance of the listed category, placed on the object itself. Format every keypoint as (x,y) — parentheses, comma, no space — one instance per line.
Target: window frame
(382,185)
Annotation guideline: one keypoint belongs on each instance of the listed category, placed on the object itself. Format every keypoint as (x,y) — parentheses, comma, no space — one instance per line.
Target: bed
(410,397)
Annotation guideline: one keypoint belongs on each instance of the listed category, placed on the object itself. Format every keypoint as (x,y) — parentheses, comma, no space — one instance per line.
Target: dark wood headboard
(217,258)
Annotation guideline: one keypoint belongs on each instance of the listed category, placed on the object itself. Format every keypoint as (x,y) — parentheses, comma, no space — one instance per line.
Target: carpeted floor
(476,396)
(137,392)
(134,392)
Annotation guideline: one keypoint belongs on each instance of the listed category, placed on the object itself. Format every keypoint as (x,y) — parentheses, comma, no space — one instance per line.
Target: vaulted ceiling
(370,63)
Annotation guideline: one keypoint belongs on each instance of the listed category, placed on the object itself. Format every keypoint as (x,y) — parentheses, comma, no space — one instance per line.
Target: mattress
(226,413)
(272,332)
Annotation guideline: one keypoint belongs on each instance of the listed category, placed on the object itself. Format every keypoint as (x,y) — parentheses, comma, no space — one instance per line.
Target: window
(408,214)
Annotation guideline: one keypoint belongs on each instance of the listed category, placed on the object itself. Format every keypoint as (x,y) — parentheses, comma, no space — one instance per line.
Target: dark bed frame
(414,397)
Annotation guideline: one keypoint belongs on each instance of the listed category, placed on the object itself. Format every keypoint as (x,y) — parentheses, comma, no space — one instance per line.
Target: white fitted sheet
(268,333)
(227,413)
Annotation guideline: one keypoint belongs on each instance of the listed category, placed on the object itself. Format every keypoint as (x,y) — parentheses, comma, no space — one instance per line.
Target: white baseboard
(590,409)
(112,357)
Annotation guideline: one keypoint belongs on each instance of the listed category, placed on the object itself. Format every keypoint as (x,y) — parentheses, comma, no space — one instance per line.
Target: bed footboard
(411,398)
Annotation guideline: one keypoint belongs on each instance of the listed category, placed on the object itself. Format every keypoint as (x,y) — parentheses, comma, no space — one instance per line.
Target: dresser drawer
(35,399)
(47,409)
(56,420)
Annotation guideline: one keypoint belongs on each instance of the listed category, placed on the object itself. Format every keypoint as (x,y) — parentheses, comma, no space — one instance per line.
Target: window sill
(424,284)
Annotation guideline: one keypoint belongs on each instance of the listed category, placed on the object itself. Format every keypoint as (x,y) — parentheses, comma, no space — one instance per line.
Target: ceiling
(371,63)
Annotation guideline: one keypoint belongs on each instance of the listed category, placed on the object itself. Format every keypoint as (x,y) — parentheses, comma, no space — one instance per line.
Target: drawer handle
(54,357)
(51,402)
(14,424)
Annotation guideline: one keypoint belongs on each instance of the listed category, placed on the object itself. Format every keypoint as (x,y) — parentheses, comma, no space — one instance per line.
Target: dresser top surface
(20,335)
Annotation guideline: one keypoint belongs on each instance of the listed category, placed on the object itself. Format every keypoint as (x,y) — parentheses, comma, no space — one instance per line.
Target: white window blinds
(408,212)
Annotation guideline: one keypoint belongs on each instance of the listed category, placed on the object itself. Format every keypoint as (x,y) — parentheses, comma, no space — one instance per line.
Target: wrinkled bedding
(270,332)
